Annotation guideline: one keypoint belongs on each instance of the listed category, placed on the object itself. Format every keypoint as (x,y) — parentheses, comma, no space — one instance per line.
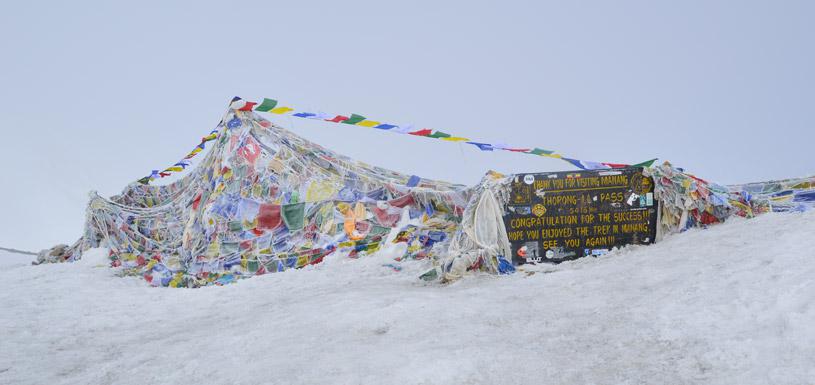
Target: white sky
(95,95)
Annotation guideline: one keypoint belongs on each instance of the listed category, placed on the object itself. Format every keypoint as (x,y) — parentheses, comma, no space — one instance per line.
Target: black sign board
(560,216)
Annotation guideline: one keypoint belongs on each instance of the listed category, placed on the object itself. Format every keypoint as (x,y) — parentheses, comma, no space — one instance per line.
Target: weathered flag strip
(271,106)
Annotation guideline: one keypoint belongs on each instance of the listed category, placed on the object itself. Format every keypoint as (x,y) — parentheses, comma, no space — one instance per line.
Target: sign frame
(553,217)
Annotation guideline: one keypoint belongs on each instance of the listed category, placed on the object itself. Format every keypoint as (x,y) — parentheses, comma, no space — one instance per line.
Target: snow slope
(9,259)
(731,304)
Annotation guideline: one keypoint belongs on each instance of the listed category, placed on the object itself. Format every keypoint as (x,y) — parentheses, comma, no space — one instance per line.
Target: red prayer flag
(247,107)
(337,119)
(616,165)
(422,132)
(269,216)
(402,201)
(196,202)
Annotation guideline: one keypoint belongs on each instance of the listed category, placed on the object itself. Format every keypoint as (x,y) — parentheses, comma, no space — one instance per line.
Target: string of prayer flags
(272,106)
(185,162)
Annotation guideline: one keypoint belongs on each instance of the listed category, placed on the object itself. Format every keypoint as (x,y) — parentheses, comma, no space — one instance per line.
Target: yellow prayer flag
(455,139)
(281,110)
(368,123)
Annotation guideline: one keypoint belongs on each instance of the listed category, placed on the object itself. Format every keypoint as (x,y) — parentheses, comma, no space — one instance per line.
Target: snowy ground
(734,304)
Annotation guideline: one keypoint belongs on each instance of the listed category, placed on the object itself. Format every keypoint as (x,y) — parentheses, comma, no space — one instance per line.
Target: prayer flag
(439,134)
(482,146)
(540,151)
(338,119)
(647,163)
(354,119)
(281,110)
(422,132)
(267,105)
(294,215)
(368,123)
(247,106)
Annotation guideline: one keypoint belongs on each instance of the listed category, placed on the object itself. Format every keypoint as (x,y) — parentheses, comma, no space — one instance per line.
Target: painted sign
(560,216)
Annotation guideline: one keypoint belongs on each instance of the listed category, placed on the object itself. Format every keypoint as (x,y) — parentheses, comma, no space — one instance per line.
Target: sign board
(560,216)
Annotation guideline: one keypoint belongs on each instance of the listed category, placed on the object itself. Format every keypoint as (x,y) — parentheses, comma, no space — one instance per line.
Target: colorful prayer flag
(354,119)
(267,105)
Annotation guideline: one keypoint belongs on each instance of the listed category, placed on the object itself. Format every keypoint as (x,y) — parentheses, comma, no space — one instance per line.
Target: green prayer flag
(354,119)
(267,105)
(228,248)
(294,215)
(439,134)
(647,163)
(252,265)
(540,151)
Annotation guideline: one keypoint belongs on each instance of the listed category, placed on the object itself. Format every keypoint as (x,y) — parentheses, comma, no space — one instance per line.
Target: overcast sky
(95,95)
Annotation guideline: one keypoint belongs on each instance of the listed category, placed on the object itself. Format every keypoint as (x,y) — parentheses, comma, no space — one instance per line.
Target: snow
(9,259)
(731,304)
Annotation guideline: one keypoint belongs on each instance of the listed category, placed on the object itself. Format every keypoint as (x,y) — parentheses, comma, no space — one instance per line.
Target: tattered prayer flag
(337,119)
(354,119)
(422,132)
(281,110)
(439,134)
(482,146)
(368,123)
(267,105)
